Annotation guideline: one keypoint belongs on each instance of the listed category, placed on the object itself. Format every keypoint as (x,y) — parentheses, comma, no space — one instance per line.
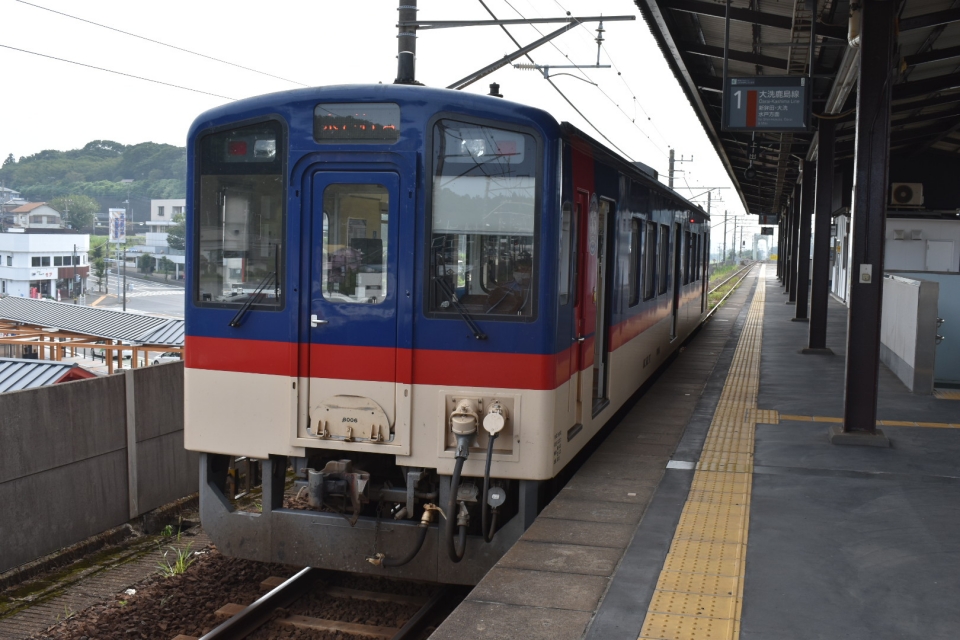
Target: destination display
(766,231)
(766,103)
(769,218)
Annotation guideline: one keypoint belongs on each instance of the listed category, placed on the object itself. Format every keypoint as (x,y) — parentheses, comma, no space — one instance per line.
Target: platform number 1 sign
(766,104)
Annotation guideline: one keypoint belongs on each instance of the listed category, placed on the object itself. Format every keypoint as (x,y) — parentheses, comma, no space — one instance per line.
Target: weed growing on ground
(178,563)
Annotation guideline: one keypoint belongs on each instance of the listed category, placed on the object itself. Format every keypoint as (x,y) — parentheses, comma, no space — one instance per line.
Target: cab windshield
(239,220)
(484,218)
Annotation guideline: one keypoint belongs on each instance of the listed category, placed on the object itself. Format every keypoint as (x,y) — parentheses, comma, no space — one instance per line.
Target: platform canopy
(772,39)
(132,328)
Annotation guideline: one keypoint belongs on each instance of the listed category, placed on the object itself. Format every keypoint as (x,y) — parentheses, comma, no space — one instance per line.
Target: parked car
(167,356)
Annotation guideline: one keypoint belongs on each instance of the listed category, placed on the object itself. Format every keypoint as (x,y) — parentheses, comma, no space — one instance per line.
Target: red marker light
(237,148)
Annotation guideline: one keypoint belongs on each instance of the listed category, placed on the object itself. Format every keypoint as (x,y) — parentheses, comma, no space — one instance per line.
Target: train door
(353,297)
(677,249)
(590,351)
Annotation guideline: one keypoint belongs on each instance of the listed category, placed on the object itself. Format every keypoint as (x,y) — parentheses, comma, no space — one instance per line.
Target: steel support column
(788,245)
(871,164)
(794,243)
(803,240)
(817,338)
(779,244)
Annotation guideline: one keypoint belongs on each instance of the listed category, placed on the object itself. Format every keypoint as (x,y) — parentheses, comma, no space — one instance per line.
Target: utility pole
(723,258)
(407,43)
(124,277)
(670,172)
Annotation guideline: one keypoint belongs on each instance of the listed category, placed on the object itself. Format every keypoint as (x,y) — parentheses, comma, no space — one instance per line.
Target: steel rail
(746,272)
(421,618)
(731,277)
(257,614)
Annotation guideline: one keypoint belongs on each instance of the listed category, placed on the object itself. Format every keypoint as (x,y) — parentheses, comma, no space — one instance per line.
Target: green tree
(165,265)
(10,160)
(145,263)
(177,234)
(78,211)
(99,270)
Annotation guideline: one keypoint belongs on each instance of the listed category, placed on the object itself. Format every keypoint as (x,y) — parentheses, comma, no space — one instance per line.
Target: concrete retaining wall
(81,457)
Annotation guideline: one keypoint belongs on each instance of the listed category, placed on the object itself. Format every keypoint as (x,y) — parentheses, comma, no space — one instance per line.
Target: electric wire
(588,79)
(119,73)
(562,94)
(600,89)
(633,94)
(163,44)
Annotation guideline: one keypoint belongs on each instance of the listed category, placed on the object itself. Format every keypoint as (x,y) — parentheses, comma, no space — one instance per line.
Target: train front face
(368,298)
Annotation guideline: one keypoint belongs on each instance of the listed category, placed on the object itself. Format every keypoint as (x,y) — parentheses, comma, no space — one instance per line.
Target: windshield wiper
(477,333)
(257,294)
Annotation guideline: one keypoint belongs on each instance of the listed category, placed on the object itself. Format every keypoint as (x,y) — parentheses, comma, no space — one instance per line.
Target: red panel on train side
(586,307)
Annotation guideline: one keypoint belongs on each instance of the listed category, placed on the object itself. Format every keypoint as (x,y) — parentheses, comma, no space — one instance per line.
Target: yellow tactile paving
(947,394)
(699,593)
(880,423)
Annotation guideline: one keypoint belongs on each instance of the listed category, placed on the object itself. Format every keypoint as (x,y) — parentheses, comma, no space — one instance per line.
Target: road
(147,296)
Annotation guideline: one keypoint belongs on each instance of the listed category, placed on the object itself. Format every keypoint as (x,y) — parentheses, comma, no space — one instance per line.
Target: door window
(355,232)
(664,268)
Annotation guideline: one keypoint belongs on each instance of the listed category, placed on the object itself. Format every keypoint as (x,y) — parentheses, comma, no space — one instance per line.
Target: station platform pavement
(746,522)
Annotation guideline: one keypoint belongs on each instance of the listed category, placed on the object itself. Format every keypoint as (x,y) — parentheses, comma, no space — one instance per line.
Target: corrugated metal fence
(81,457)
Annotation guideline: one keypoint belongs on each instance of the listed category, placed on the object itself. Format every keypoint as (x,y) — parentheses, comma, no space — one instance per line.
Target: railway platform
(718,508)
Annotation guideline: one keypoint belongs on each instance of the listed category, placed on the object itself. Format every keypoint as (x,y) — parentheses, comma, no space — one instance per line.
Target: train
(415,306)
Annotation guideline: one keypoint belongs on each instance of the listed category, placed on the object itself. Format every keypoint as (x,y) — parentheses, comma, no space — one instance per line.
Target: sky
(285,44)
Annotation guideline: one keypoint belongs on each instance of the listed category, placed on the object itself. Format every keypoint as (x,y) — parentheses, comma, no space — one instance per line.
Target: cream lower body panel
(239,414)
(257,415)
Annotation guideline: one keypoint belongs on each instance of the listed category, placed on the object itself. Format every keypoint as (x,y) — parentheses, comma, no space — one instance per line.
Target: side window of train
(649,260)
(483,253)
(663,269)
(636,242)
(688,257)
(240,222)
(566,252)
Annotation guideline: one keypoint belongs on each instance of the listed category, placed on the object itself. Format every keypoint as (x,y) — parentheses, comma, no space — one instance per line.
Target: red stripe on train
(380,364)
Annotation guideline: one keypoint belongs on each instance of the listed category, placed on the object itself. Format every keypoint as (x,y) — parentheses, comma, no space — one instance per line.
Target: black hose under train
(487,525)
(399,562)
(456,545)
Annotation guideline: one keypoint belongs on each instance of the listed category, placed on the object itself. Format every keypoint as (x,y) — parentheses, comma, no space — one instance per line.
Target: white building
(36,263)
(162,213)
(10,199)
(34,215)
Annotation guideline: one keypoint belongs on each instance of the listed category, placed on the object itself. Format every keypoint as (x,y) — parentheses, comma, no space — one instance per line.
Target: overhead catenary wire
(633,94)
(589,80)
(562,95)
(119,73)
(163,44)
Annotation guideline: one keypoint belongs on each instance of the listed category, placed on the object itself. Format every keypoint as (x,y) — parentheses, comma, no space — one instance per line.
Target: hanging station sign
(766,103)
(766,231)
(769,218)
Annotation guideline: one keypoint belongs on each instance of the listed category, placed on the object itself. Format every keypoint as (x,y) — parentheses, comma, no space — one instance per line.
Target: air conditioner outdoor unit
(906,194)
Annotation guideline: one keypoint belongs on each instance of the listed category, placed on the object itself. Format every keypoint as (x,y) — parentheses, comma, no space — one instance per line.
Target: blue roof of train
(440,99)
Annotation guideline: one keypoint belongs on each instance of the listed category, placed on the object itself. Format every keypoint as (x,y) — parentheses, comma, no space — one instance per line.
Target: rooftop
(17,374)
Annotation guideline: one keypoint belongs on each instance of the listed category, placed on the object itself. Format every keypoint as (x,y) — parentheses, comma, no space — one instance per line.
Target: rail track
(274,609)
(745,270)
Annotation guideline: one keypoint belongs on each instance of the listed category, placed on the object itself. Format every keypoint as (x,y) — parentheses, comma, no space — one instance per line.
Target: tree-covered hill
(157,171)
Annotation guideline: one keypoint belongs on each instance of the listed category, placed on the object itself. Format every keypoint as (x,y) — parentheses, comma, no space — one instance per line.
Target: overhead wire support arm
(519,53)
(446,24)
